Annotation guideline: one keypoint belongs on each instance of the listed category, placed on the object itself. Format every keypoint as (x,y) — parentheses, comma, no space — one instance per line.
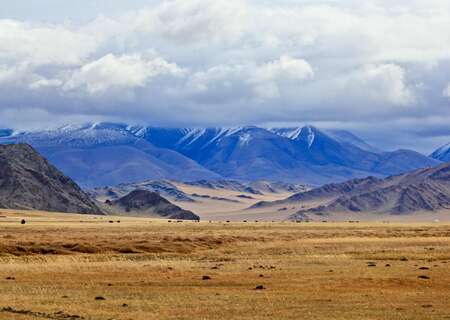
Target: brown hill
(421,190)
(28,181)
(325,192)
(147,203)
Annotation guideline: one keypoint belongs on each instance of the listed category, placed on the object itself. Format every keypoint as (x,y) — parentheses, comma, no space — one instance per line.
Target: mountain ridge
(426,189)
(128,153)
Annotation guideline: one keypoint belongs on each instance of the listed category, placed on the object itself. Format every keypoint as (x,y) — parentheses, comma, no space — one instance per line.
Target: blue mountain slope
(347,137)
(442,154)
(108,154)
(298,154)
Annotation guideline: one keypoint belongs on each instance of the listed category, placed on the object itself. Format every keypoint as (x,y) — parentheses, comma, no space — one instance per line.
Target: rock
(144,202)
(29,181)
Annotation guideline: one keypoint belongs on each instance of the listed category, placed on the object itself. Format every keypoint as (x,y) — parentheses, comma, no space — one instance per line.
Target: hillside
(103,154)
(424,190)
(305,154)
(146,203)
(28,181)
(442,153)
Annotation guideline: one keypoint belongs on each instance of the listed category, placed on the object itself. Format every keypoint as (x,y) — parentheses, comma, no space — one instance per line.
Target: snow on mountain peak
(310,135)
(244,139)
(442,152)
(192,136)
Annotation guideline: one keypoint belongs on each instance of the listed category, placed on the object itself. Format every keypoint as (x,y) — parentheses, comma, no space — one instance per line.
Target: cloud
(21,42)
(193,22)
(446,91)
(249,82)
(380,85)
(119,73)
(191,62)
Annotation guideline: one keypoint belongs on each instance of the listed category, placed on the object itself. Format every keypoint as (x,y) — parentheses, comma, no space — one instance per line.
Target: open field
(55,266)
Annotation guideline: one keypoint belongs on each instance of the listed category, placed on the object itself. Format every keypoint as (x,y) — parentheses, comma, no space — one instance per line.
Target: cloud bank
(364,66)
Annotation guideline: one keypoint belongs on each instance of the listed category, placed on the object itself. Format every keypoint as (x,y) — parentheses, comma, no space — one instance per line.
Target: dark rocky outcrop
(29,181)
(147,203)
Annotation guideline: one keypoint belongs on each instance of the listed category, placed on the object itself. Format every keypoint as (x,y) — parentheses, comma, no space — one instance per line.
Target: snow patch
(310,136)
(244,139)
(192,136)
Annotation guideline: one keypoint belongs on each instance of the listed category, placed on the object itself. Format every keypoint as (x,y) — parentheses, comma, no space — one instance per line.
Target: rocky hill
(423,190)
(29,181)
(147,203)
(165,188)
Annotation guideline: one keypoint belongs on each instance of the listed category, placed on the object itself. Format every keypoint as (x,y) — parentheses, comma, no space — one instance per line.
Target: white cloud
(43,44)
(284,74)
(188,22)
(446,91)
(284,68)
(249,82)
(45,83)
(223,62)
(380,85)
(112,72)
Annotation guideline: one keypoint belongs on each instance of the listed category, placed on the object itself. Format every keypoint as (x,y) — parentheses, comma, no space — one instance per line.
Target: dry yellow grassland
(80,267)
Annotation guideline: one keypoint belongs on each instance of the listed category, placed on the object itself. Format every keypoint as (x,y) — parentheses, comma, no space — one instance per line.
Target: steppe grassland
(55,266)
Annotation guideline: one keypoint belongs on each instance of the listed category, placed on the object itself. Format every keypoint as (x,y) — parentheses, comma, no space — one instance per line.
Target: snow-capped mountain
(110,153)
(247,153)
(308,132)
(442,154)
(304,154)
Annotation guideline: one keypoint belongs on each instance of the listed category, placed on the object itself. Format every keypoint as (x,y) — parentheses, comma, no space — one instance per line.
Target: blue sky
(373,67)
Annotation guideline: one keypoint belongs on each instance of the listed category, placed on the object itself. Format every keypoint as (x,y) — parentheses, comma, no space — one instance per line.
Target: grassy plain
(83,267)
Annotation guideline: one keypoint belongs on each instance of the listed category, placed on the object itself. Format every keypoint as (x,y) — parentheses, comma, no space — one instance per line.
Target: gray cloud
(377,68)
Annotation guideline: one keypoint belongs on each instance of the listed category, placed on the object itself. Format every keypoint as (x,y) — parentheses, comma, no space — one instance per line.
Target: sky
(378,69)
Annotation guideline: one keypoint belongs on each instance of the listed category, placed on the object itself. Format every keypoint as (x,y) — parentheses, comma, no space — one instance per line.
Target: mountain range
(109,154)
(419,191)
(172,192)
(422,190)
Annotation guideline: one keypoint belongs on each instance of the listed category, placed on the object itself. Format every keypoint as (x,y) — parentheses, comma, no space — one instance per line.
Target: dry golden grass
(59,264)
